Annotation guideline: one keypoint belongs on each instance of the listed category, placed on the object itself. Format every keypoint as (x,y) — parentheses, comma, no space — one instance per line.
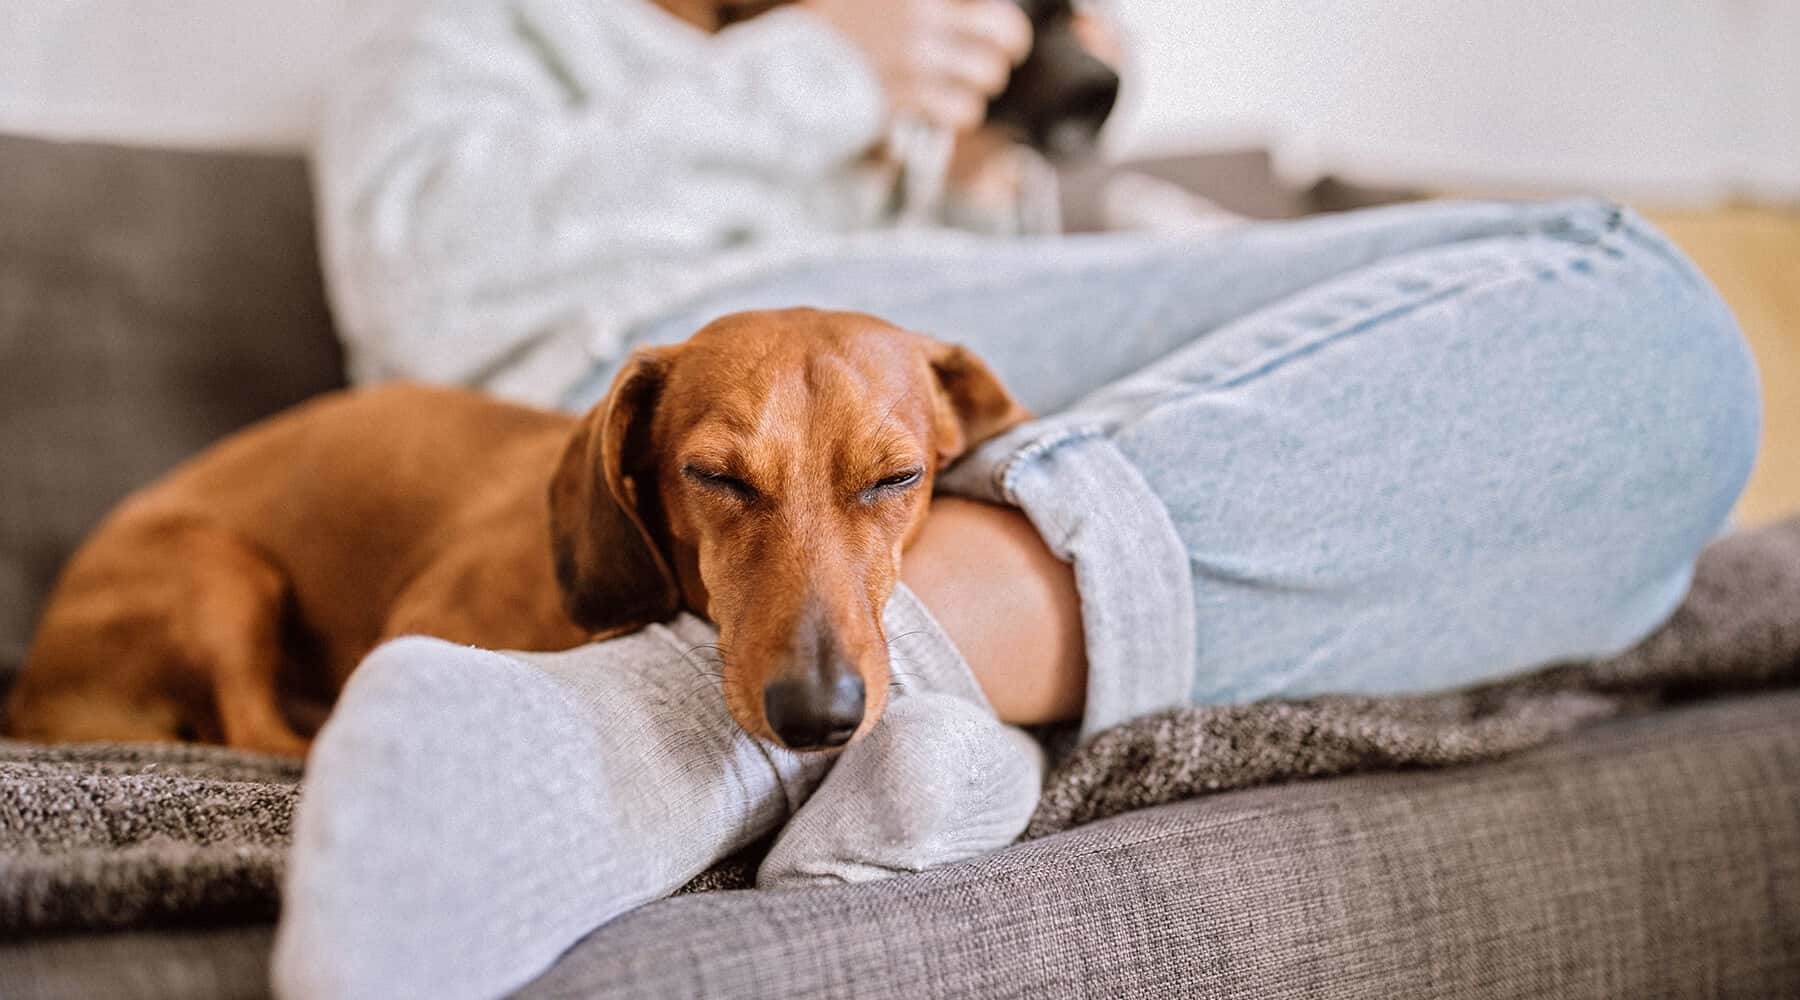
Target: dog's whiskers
(713,671)
(896,674)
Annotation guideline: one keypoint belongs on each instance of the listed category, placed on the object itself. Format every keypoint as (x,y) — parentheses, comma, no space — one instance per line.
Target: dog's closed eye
(721,482)
(892,485)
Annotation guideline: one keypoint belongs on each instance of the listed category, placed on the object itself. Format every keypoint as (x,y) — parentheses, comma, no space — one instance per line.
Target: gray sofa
(153,300)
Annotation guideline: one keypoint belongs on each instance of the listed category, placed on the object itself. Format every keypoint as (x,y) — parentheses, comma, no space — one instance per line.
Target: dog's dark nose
(815,712)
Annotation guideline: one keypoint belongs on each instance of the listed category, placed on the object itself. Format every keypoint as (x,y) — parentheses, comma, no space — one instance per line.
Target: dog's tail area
(74,715)
(172,633)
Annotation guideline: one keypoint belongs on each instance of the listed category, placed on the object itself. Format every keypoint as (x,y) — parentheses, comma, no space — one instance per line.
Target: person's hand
(985,167)
(1100,36)
(937,60)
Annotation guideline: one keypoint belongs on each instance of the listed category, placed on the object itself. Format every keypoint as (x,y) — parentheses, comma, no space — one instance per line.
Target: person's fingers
(941,60)
(982,69)
(951,107)
(1100,36)
(1001,24)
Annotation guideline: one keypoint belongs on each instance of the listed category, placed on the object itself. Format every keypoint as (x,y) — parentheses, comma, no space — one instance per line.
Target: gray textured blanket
(119,836)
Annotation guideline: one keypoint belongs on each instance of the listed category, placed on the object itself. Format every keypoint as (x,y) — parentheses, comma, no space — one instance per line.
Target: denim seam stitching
(1007,472)
(1280,360)
(1313,346)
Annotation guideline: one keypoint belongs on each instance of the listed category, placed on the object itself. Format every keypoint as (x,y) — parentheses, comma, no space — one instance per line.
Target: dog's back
(310,537)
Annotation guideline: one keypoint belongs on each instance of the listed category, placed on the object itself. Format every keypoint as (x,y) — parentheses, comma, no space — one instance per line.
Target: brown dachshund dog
(766,473)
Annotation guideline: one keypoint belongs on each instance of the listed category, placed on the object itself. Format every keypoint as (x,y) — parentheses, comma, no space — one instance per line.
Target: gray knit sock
(468,815)
(939,778)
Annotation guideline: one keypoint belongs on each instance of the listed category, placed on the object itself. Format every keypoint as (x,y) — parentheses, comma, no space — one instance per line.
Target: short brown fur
(292,548)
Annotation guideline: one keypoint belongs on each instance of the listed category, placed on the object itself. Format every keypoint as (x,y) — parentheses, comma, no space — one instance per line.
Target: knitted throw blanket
(116,836)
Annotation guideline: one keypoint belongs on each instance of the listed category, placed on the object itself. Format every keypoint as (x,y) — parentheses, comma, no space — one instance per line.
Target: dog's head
(767,473)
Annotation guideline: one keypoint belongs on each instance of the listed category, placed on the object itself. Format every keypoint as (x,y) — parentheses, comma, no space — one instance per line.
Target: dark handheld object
(1061,94)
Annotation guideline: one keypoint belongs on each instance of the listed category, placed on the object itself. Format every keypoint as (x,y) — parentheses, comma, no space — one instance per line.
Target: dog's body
(291,549)
(298,540)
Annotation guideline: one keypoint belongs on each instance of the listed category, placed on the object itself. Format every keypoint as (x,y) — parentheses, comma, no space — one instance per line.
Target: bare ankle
(1008,603)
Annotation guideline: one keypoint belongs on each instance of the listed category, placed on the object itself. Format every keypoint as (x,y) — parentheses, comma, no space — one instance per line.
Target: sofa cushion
(150,301)
(1658,856)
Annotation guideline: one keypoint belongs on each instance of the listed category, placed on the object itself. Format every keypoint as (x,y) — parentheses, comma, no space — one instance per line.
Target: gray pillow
(151,300)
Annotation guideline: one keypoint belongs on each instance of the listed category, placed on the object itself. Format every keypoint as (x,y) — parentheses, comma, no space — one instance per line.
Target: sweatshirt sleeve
(462,164)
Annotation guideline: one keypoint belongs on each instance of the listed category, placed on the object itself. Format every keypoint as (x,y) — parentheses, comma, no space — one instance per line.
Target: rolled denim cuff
(1096,511)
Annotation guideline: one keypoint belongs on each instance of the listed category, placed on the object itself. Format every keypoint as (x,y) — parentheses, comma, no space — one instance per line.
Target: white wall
(1673,100)
(223,73)
(1665,99)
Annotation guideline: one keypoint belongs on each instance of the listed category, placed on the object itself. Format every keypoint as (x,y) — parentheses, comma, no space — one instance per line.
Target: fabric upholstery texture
(1657,856)
(1653,857)
(150,301)
(133,835)
(210,963)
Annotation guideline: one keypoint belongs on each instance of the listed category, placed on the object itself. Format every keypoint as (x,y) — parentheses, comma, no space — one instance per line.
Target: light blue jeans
(1389,451)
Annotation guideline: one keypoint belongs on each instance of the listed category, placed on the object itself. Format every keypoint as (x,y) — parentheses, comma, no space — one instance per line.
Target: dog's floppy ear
(972,404)
(604,511)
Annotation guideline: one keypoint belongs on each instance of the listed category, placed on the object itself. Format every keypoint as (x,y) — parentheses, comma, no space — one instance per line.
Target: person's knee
(1702,383)
(1725,398)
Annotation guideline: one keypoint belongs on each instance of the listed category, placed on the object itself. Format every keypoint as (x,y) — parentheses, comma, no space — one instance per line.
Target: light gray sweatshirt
(507,187)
